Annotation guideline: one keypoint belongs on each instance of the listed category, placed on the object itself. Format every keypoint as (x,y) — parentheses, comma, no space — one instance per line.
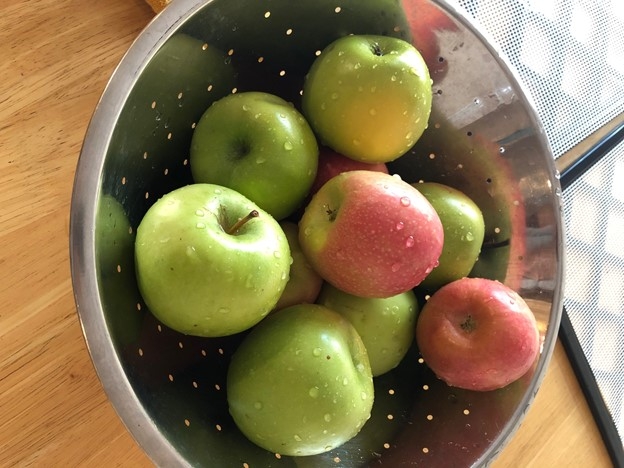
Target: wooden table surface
(55,59)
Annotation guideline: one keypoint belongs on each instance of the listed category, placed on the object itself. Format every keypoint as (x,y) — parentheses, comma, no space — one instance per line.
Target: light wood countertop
(56,57)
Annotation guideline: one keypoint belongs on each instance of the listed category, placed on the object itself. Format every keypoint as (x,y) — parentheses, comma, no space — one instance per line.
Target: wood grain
(56,59)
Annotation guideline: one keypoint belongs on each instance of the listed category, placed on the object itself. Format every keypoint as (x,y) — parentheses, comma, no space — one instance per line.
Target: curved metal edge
(82,242)
(82,235)
(557,305)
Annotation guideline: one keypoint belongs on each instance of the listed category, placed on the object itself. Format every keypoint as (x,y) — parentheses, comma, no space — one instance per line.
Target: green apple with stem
(300,383)
(368,97)
(209,262)
(386,325)
(464,230)
(259,145)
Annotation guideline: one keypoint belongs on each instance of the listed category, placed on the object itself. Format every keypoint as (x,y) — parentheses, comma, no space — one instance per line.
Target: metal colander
(483,138)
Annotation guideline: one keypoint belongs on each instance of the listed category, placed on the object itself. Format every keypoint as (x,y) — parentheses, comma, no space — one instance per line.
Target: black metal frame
(568,336)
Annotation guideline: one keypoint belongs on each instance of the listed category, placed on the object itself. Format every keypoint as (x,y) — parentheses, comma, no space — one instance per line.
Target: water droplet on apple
(400,225)
(316,352)
(409,135)
(357,66)
(199,212)
(409,242)
(164,240)
(334,96)
(323,106)
(260,160)
(384,350)
(288,145)
(345,381)
(405,201)
(200,225)
(395,267)
(327,417)
(258,405)
(314,392)
(224,310)
(364,395)
(469,236)
(245,107)
(217,191)
(297,437)
(373,89)
(257,116)
(393,78)
(357,142)
(277,254)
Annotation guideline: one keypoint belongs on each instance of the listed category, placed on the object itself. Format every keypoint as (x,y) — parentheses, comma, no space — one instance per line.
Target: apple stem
(377,49)
(241,222)
(468,325)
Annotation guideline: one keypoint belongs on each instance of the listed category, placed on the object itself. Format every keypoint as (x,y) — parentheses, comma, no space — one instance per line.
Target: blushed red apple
(477,334)
(371,234)
(331,163)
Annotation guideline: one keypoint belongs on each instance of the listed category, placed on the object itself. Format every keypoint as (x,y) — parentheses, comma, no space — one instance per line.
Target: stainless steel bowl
(484,138)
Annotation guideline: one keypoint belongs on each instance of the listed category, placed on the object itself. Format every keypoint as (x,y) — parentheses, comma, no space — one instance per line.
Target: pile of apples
(295,234)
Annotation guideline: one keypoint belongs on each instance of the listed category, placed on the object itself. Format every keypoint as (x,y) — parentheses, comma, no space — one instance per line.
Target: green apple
(368,97)
(386,325)
(304,283)
(259,145)
(464,230)
(300,383)
(209,262)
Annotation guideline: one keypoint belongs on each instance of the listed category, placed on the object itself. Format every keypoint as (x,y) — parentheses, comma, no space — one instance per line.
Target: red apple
(371,234)
(330,164)
(477,334)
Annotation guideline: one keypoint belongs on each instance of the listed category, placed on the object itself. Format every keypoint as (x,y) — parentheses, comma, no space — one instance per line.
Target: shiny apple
(477,334)
(368,97)
(209,262)
(386,325)
(464,230)
(300,383)
(259,145)
(371,234)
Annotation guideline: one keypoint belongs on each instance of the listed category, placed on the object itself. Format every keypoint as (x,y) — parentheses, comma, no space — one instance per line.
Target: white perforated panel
(570,56)
(568,53)
(594,221)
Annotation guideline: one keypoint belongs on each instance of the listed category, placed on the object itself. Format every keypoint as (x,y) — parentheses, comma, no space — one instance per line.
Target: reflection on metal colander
(484,138)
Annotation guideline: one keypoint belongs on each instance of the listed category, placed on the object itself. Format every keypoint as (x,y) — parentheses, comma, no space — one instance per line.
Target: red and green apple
(371,234)
(477,334)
